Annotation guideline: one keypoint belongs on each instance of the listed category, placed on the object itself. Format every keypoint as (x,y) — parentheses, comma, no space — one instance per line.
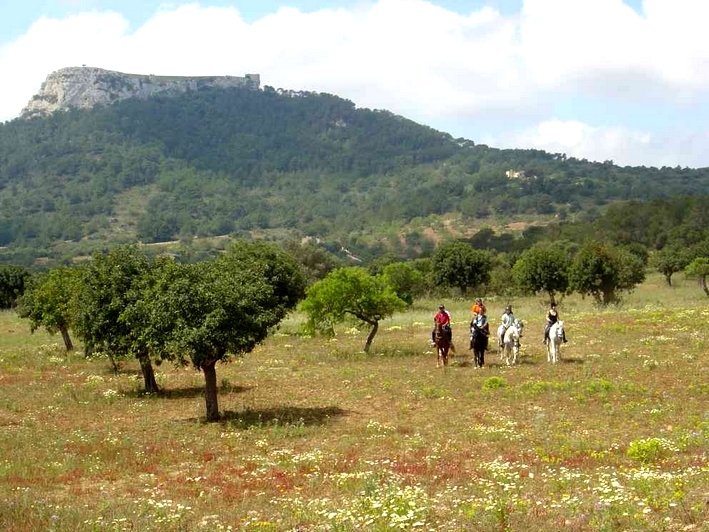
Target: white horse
(510,343)
(556,337)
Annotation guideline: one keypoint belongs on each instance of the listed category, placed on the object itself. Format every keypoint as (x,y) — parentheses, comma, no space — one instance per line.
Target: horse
(478,343)
(556,337)
(510,344)
(443,344)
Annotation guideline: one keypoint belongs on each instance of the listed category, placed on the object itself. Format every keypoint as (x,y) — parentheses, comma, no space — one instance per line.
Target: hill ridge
(84,87)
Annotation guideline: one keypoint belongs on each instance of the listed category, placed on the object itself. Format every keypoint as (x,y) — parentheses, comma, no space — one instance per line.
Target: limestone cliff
(84,87)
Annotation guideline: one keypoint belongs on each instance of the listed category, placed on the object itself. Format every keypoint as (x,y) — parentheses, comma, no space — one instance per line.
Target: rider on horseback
(479,333)
(478,308)
(507,320)
(442,319)
(552,318)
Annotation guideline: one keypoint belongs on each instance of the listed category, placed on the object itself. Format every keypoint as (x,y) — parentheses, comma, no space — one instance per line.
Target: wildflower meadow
(316,435)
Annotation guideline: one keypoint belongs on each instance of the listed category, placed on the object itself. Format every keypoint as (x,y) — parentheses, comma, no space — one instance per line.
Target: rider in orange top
(478,308)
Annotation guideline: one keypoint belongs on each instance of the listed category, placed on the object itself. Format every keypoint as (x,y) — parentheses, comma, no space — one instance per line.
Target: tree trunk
(113,362)
(151,385)
(551,298)
(703,284)
(210,390)
(67,339)
(368,344)
(668,279)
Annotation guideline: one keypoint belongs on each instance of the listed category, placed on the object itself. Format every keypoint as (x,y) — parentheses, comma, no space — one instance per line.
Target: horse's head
(519,325)
(559,329)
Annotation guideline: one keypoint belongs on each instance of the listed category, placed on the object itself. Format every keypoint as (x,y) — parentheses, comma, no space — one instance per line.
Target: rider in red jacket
(443,318)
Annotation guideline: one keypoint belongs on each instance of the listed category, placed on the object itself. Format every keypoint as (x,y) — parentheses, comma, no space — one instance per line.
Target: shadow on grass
(283,416)
(123,371)
(188,393)
(528,361)
(572,360)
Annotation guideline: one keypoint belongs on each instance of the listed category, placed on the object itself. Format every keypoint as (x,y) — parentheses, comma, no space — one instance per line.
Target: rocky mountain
(84,87)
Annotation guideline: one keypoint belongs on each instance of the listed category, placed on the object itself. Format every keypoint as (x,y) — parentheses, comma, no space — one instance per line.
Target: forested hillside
(218,162)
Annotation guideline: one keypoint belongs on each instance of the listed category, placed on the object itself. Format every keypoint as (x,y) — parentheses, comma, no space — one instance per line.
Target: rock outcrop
(84,87)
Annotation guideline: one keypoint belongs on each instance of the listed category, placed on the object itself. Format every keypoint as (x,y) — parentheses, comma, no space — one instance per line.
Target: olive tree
(350,292)
(12,284)
(49,301)
(406,281)
(543,268)
(602,270)
(205,312)
(670,260)
(456,264)
(110,283)
(699,268)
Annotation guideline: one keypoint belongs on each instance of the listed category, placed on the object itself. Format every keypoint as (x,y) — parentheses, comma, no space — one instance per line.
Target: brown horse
(443,344)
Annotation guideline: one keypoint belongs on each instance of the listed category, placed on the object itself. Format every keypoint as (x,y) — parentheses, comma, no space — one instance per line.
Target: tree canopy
(602,271)
(204,312)
(699,268)
(456,264)
(12,284)
(350,292)
(543,268)
(50,302)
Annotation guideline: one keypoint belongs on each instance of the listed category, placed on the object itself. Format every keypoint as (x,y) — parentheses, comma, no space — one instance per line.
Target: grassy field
(318,436)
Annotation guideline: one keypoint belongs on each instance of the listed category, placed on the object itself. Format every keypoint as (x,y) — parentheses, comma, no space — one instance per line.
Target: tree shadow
(287,415)
(572,360)
(122,371)
(189,393)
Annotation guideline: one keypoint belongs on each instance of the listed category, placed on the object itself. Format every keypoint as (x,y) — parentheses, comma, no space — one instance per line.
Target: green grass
(318,436)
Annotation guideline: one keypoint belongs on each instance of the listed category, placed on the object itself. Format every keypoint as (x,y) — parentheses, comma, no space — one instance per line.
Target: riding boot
(564,337)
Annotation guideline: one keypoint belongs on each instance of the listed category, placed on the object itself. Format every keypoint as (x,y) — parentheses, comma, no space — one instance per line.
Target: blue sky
(626,80)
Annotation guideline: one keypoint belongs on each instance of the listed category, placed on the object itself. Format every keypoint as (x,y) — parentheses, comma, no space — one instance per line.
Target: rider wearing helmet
(508,318)
(442,318)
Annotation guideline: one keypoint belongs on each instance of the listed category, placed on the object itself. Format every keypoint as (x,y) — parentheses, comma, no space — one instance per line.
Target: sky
(620,80)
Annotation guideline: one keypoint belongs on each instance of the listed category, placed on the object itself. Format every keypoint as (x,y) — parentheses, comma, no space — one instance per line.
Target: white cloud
(622,145)
(409,56)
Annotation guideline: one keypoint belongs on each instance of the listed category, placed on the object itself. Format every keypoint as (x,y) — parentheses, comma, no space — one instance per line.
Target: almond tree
(350,292)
